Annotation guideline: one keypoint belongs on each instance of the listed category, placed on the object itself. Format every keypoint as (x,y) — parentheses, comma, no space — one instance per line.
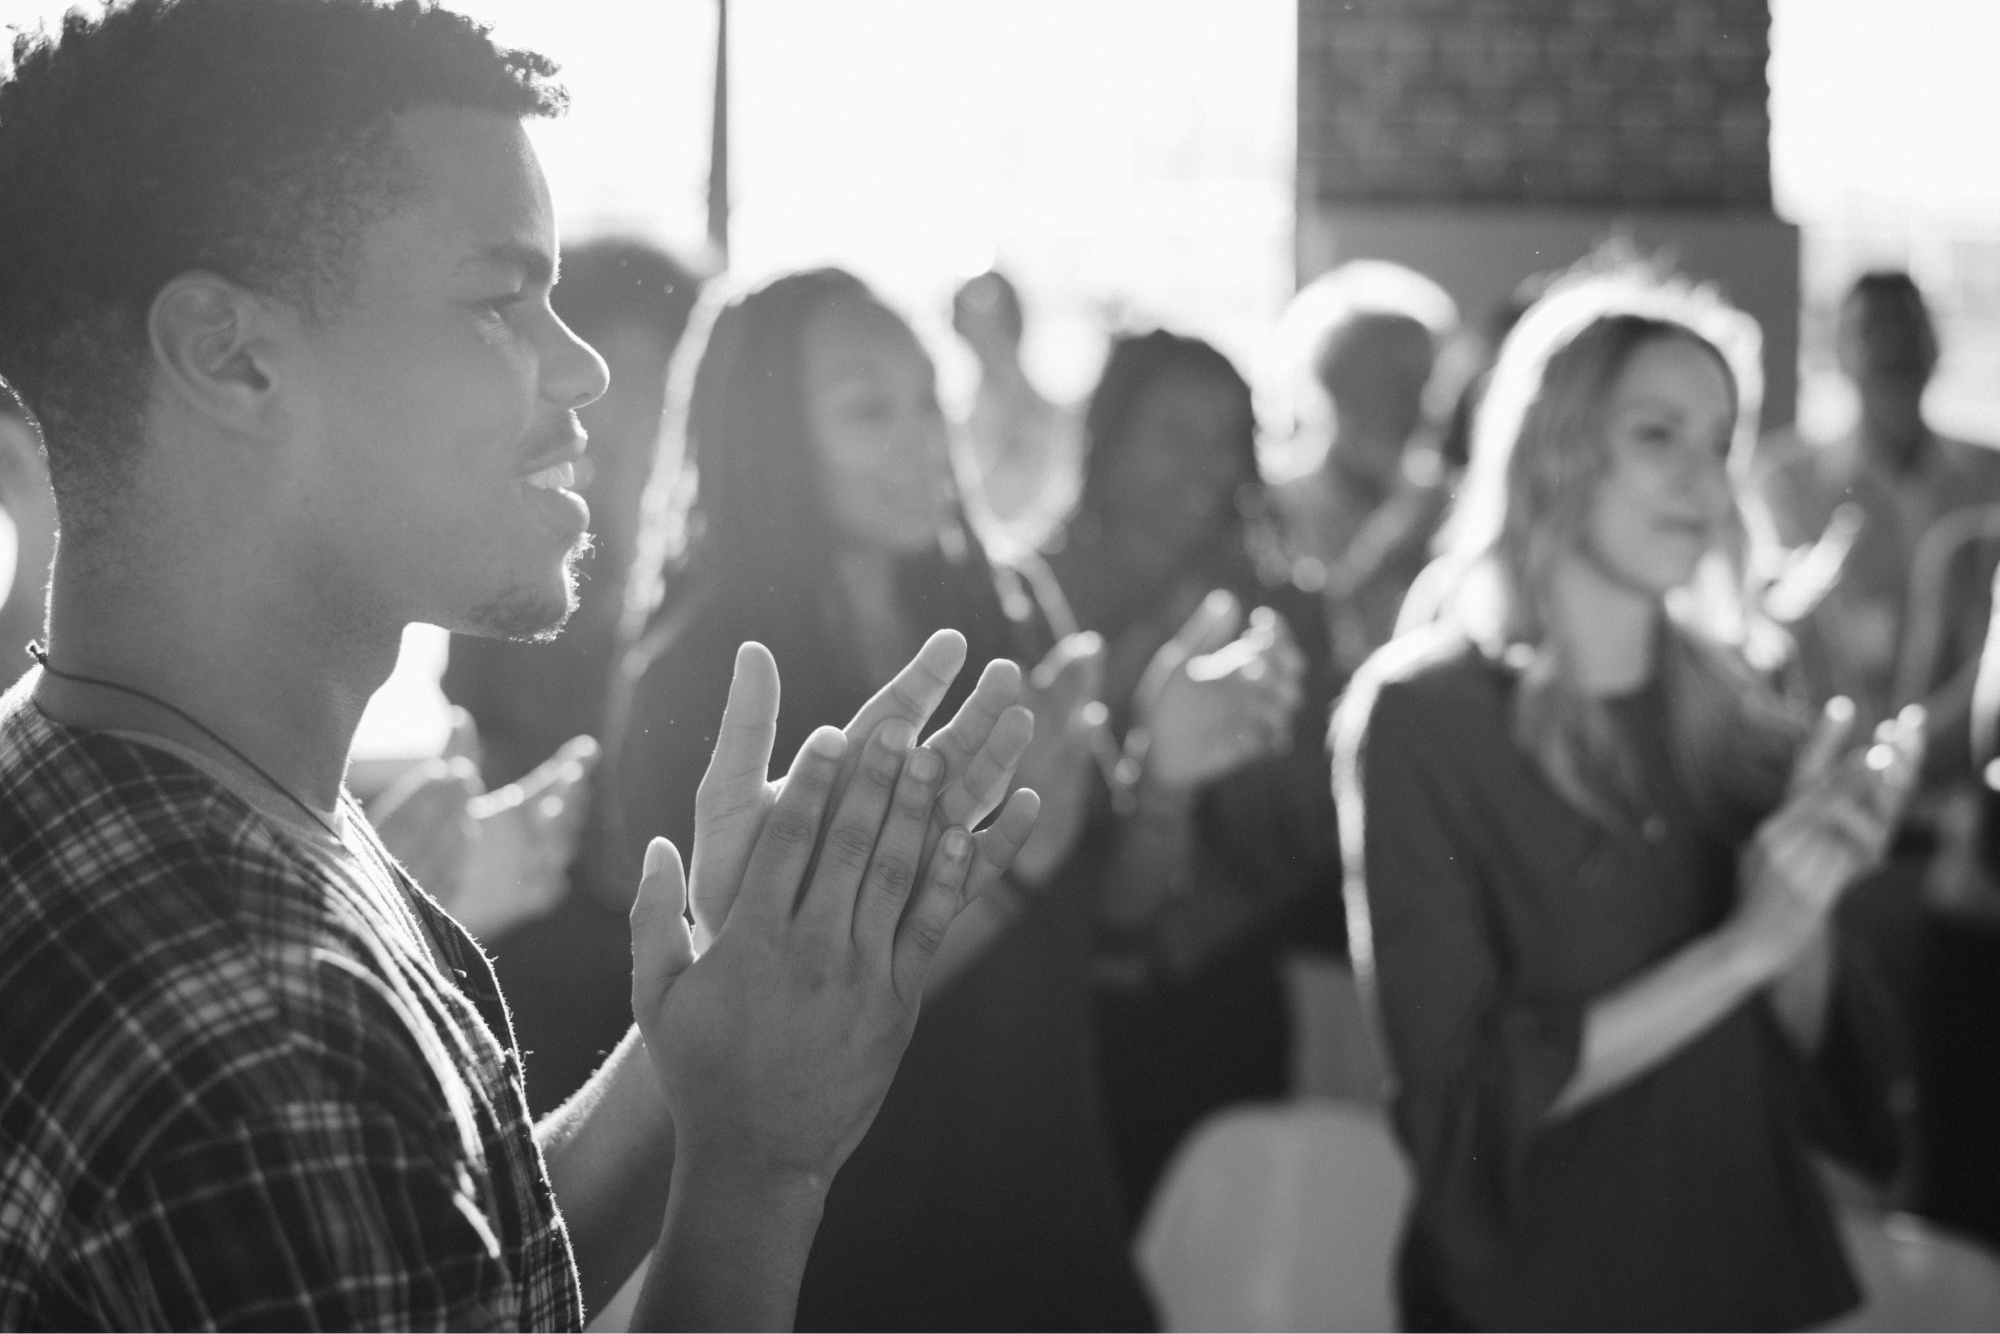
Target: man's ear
(213,348)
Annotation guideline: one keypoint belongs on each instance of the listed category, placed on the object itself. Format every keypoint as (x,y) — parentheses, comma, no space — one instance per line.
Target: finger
(930,915)
(1213,624)
(963,868)
(913,694)
(899,853)
(995,847)
(741,763)
(1829,736)
(662,946)
(851,837)
(569,765)
(971,728)
(1069,651)
(974,794)
(734,794)
(784,848)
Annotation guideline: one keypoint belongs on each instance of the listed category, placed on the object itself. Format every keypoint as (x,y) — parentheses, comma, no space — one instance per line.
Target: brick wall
(1563,103)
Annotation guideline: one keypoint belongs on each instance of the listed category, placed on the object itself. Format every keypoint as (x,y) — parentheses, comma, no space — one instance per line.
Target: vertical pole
(718,141)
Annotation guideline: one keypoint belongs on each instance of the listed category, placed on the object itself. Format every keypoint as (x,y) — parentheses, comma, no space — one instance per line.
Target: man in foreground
(274,282)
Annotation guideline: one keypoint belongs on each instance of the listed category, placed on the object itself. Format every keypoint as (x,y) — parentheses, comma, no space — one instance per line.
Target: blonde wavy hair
(1540,447)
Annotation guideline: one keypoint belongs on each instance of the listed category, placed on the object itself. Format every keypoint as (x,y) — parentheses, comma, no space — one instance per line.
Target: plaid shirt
(235,1088)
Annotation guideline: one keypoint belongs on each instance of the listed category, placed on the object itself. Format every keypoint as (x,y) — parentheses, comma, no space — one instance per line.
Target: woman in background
(1223,870)
(824,523)
(1600,860)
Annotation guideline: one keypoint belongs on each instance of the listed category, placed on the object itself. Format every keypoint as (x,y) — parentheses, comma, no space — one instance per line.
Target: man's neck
(1365,468)
(1892,440)
(270,677)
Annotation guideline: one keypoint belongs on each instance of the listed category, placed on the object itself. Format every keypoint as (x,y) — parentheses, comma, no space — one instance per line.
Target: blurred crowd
(1591,790)
(773,463)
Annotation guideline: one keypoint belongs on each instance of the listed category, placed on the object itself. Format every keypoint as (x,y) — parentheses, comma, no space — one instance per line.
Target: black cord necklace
(41,657)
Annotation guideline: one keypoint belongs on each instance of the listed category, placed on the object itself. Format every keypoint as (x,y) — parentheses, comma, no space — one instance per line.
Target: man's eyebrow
(536,263)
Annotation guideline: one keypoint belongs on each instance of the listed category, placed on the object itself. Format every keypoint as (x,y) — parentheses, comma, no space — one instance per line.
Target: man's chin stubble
(528,615)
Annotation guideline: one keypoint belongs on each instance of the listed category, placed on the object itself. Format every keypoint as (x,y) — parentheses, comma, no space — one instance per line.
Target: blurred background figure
(1021,446)
(1901,477)
(1359,524)
(1896,531)
(1232,865)
(825,524)
(27,537)
(565,973)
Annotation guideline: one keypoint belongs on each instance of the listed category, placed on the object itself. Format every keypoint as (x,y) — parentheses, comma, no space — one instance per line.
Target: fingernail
(898,734)
(955,843)
(829,743)
(925,765)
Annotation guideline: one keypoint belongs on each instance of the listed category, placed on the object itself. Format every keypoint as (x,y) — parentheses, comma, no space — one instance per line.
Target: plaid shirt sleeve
(306,1216)
(234,1093)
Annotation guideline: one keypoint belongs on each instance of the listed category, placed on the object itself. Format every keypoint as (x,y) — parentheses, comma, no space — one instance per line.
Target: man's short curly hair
(249,138)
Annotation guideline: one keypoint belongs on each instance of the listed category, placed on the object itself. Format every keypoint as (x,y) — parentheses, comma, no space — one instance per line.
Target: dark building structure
(1485,140)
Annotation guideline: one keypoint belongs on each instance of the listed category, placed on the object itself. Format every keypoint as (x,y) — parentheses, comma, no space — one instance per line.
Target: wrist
(738,1179)
(1747,954)
(732,1249)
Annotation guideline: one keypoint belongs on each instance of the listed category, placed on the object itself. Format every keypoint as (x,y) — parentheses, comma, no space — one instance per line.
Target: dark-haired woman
(825,525)
(1593,857)
(1226,868)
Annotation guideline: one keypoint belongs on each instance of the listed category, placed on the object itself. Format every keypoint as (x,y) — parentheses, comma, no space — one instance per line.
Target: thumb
(662,946)
(1823,747)
(1213,624)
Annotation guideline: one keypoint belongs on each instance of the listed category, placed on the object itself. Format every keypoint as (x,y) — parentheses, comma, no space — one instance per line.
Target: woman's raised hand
(1836,824)
(1064,692)
(1215,700)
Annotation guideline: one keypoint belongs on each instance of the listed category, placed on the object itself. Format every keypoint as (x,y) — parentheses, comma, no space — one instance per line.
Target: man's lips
(559,477)
(554,464)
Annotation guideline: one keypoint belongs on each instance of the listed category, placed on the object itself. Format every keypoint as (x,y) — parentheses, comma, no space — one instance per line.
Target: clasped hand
(496,859)
(1843,807)
(818,903)
(1216,700)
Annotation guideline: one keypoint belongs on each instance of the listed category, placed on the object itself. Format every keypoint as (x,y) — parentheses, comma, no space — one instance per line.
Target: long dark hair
(737,517)
(1135,363)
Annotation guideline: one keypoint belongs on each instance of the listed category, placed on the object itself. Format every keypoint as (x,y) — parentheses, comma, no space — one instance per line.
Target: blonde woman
(1592,856)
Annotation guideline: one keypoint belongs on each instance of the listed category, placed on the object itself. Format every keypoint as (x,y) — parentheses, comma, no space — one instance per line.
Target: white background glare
(1131,160)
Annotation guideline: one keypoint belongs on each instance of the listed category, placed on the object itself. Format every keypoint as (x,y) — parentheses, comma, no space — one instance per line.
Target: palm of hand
(524,840)
(755,1014)
(1219,700)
